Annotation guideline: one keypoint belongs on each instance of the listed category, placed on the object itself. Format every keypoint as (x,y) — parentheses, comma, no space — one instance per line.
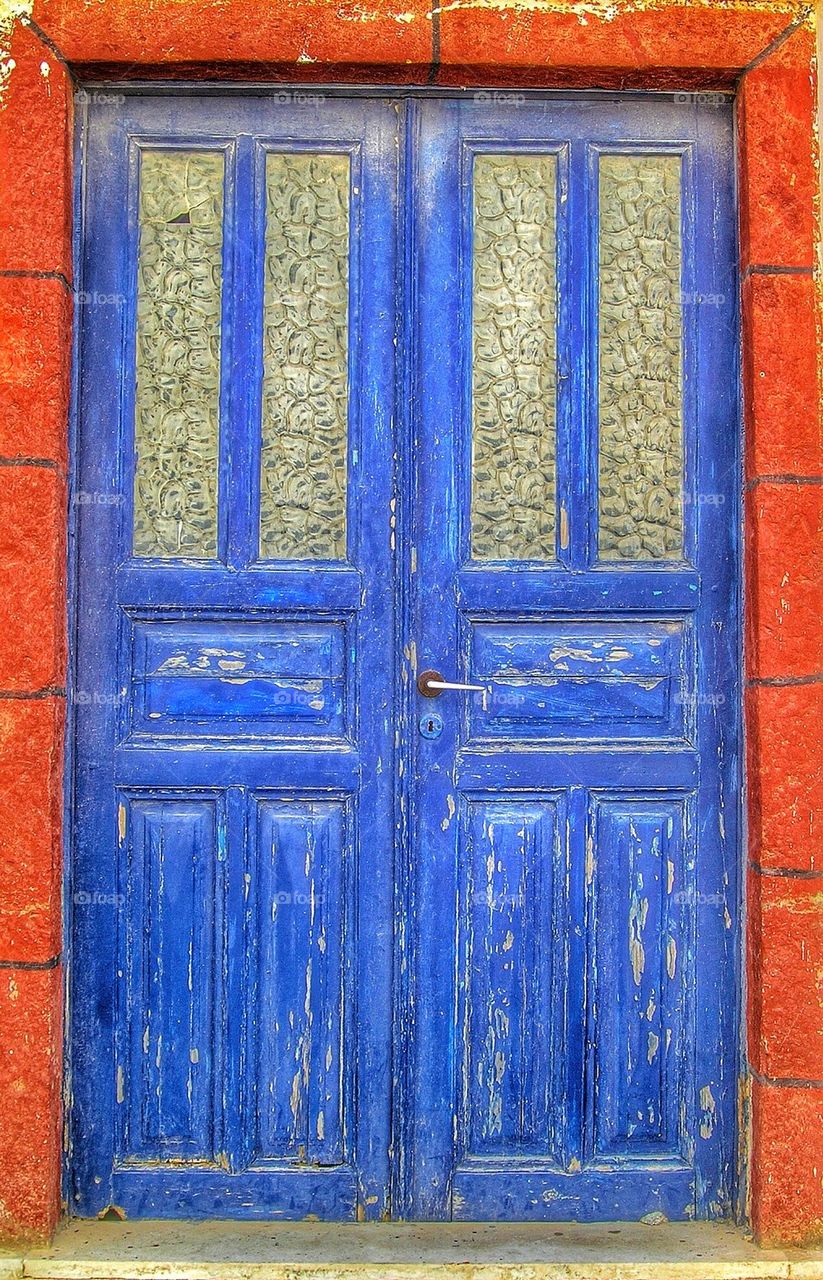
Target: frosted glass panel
(514,358)
(305,358)
(177,406)
(641,381)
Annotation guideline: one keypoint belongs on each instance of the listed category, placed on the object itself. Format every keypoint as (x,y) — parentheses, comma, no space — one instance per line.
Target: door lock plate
(431,724)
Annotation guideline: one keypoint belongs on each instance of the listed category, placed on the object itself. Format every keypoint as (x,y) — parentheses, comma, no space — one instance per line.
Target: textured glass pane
(305,358)
(178,354)
(641,385)
(513,367)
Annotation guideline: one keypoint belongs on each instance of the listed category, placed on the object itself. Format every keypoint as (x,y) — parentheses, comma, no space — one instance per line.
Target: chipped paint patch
(358,13)
(671,957)
(709,1110)
(609,10)
(638,912)
(11,11)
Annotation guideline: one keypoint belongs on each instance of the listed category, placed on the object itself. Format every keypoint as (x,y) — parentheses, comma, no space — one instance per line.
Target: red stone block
(30,1050)
(787,1164)
(672,46)
(786,976)
(32,578)
(778,176)
(754,971)
(785,776)
(784,579)
(31,804)
(35,357)
(35,160)
(783,411)
(303,40)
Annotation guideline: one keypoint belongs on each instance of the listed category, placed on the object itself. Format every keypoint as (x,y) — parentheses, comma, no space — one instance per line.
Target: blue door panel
(171,886)
(513,856)
(235,679)
(639,966)
(337,949)
(232,791)
(297,924)
(609,701)
(578,681)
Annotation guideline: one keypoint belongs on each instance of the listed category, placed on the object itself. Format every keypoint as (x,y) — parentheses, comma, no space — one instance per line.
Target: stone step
(219,1250)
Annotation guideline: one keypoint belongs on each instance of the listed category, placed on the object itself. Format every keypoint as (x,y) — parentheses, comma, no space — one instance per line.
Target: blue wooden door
(232,886)
(573,524)
(371,388)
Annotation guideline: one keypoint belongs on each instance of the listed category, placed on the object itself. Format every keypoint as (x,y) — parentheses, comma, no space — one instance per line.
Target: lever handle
(431,684)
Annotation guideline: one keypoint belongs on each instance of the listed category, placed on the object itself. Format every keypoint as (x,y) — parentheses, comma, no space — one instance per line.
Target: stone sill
(223,1250)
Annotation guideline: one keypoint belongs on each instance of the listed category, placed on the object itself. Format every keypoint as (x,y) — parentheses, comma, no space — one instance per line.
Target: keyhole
(431,725)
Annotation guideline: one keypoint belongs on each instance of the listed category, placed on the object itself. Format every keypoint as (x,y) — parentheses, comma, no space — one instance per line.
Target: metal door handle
(431,684)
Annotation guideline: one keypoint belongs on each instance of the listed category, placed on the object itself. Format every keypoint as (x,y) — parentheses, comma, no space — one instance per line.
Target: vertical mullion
(241,409)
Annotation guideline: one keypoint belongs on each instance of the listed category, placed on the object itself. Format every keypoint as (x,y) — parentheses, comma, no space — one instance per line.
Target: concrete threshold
(162,1250)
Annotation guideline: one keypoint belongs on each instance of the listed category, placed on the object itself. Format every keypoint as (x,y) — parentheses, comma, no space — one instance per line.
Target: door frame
(404,969)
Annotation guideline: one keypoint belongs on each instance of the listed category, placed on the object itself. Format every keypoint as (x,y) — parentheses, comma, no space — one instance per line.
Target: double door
(380,396)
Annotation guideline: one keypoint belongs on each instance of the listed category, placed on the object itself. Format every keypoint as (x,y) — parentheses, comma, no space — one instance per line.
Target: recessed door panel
(171,886)
(640,963)
(301,931)
(512,853)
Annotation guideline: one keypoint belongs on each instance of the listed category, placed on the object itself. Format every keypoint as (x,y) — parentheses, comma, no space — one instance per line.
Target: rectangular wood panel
(298,921)
(510,951)
(169,897)
(232,678)
(639,974)
(577,680)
